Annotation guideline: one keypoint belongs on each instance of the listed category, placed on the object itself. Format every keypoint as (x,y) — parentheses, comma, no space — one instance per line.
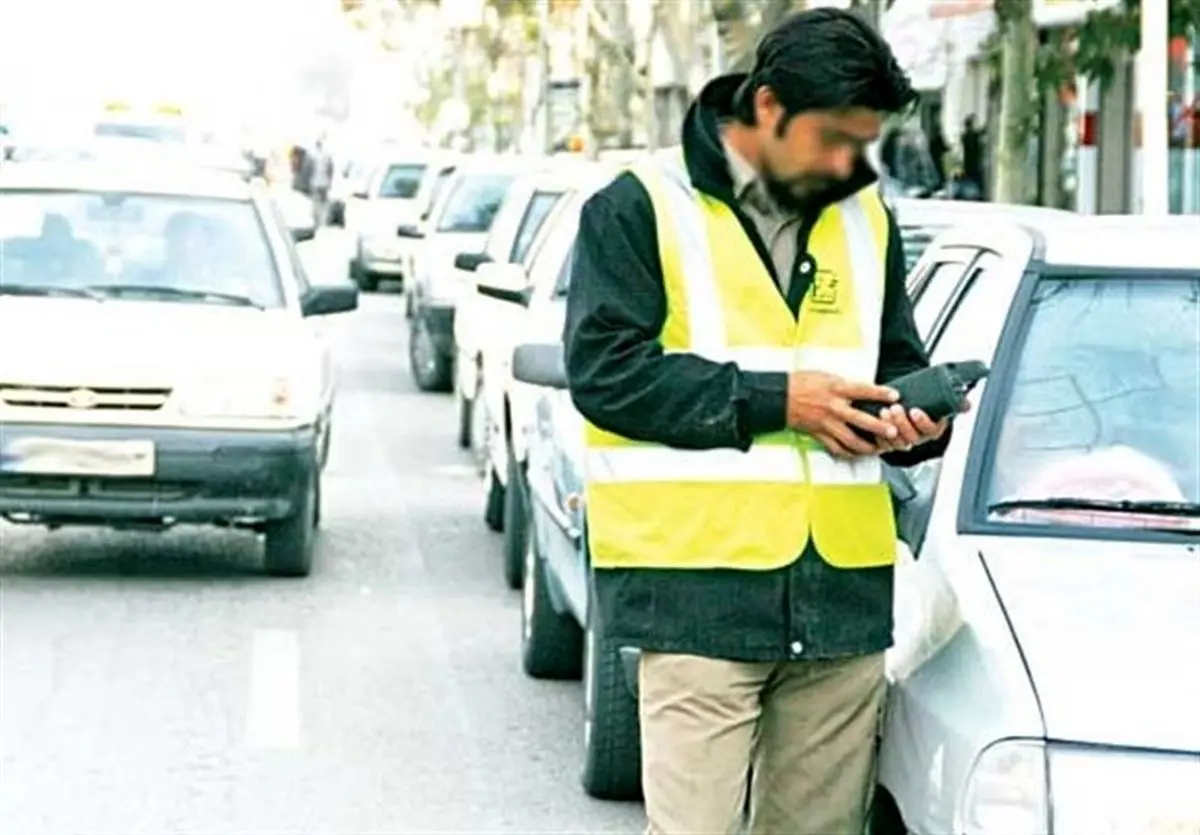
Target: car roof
(917,212)
(1122,242)
(167,180)
(564,175)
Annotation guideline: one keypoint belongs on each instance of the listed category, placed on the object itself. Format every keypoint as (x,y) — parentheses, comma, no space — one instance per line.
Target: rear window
(401,181)
(535,216)
(71,241)
(916,240)
(474,203)
(127,130)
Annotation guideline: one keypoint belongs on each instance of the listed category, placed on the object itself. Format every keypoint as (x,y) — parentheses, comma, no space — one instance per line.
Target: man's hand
(819,405)
(913,427)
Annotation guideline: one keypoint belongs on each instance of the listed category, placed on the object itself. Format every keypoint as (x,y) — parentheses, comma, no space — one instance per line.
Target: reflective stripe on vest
(654,506)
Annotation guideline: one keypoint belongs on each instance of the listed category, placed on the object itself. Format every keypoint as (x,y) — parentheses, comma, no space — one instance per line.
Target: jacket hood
(705,155)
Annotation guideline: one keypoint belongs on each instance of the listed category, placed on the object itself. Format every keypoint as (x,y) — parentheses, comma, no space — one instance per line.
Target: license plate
(60,456)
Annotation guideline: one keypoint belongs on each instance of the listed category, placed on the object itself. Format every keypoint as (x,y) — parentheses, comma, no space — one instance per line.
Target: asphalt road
(160,684)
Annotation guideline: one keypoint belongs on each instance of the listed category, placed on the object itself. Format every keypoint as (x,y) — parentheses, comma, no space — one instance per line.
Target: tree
(1018,100)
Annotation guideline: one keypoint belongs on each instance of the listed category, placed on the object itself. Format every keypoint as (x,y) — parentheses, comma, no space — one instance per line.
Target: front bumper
(200,476)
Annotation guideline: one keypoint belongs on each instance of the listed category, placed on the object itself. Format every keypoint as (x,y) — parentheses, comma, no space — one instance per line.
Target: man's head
(822,83)
(969,122)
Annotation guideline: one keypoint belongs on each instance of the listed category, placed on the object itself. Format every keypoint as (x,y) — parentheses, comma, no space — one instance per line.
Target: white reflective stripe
(857,364)
(825,469)
(760,463)
(764,359)
(866,262)
(706,318)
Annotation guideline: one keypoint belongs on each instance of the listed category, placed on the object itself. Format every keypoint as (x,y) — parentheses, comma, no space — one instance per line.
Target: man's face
(812,151)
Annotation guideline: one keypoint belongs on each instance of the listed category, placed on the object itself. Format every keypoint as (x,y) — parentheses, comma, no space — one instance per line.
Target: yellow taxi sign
(116,107)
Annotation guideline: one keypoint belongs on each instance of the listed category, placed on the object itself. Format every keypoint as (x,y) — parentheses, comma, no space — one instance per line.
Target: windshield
(474,202)
(1105,404)
(64,241)
(401,181)
(127,130)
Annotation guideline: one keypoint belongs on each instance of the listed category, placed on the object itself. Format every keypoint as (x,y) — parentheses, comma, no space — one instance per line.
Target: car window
(170,247)
(933,292)
(473,203)
(1104,402)
(401,181)
(532,221)
(563,282)
(987,262)
(916,240)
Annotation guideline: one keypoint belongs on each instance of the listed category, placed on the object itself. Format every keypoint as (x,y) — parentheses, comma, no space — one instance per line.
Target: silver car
(1046,672)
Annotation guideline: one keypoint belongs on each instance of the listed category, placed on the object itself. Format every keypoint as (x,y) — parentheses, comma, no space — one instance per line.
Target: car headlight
(276,398)
(1096,791)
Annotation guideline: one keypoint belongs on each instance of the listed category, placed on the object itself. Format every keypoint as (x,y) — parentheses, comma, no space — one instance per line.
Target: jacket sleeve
(901,350)
(619,377)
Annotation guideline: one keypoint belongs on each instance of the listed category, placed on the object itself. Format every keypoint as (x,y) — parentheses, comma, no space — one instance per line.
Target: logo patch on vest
(825,296)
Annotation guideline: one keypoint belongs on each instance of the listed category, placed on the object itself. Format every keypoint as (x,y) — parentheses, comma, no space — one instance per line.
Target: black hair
(825,59)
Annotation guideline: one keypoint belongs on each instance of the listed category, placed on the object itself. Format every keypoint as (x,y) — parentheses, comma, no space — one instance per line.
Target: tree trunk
(1018,102)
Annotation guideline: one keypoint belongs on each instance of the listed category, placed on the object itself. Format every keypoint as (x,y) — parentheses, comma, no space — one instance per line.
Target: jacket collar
(704,152)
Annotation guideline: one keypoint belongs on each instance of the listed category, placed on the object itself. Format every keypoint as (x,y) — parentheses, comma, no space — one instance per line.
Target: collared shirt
(777,227)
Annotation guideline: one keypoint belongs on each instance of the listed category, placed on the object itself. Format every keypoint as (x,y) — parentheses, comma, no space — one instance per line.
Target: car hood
(80,341)
(1110,632)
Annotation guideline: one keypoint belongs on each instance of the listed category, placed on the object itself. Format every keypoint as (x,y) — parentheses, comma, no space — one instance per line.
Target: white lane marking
(273,714)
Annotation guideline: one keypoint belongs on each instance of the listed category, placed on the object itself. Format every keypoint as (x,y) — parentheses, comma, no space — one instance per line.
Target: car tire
(885,817)
(430,369)
(464,419)
(516,524)
(551,644)
(612,758)
(408,306)
(290,542)
(493,510)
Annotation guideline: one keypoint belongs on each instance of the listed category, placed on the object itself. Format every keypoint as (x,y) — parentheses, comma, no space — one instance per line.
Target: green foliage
(1105,35)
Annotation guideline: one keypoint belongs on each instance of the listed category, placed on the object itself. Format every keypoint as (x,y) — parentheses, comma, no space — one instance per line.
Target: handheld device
(939,391)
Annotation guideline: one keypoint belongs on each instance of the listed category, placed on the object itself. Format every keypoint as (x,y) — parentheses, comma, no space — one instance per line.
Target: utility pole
(1018,39)
(544,49)
(1153,77)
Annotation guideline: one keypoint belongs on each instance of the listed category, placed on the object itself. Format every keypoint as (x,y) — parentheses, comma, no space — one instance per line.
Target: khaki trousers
(806,728)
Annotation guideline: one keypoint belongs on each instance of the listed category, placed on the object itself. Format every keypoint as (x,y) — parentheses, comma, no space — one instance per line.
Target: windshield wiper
(173,293)
(39,290)
(1148,506)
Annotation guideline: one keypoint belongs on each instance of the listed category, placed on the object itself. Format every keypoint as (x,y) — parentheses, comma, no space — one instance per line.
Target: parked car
(372,215)
(159,360)
(510,295)
(921,220)
(560,638)
(413,237)
(459,223)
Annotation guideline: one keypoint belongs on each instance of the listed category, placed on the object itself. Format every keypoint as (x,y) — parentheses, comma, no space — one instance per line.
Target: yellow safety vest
(653,506)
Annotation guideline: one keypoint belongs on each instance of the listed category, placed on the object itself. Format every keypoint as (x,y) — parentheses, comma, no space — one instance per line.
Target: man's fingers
(925,425)
(832,446)
(866,391)
(865,421)
(849,441)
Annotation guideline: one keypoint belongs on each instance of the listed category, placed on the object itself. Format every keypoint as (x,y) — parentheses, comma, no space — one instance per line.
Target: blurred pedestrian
(320,180)
(727,304)
(972,154)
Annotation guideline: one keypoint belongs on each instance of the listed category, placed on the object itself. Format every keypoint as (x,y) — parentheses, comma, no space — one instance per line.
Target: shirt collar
(748,186)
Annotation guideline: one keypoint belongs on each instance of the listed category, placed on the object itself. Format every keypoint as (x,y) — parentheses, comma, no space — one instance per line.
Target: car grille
(83,397)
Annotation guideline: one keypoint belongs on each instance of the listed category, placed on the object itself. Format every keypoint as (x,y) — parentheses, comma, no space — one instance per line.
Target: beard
(796,194)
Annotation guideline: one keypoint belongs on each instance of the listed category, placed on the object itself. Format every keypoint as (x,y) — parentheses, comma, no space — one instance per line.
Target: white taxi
(157,362)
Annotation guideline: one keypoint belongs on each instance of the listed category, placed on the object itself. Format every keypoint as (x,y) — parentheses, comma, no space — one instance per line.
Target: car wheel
(551,644)
(430,369)
(612,746)
(290,541)
(885,818)
(493,511)
(516,524)
(408,307)
(465,409)
(480,430)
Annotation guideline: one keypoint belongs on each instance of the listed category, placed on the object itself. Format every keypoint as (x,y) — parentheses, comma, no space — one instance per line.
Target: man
(724,310)
(319,182)
(972,153)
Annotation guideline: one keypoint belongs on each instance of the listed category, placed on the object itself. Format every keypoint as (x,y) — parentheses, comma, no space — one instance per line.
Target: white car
(373,215)
(1044,675)
(158,362)
(522,299)
(459,223)
(482,321)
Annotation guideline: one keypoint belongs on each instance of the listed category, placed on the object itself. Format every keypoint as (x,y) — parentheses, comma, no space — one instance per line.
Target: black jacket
(621,380)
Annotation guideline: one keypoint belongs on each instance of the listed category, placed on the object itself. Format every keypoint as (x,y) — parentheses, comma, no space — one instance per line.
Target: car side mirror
(471,261)
(503,282)
(360,194)
(410,230)
(303,233)
(322,301)
(540,365)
